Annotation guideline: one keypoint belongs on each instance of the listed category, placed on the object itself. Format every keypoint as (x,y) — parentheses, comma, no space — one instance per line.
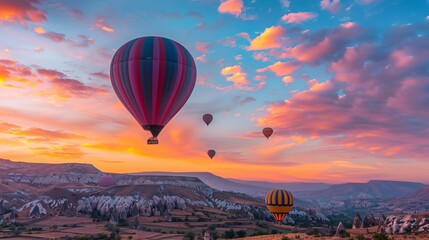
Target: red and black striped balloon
(153,77)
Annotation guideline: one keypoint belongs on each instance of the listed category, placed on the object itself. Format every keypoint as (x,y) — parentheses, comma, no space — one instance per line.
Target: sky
(343,83)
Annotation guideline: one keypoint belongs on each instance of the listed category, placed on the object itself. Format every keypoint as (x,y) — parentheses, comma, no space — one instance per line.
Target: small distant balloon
(267,132)
(207,118)
(279,202)
(106,181)
(211,153)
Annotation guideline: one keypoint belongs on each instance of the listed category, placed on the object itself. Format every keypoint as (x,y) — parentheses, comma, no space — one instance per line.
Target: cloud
(325,45)
(233,7)
(202,58)
(281,68)
(298,17)
(82,40)
(348,164)
(38,49)
(376,101)
(21,12)
(368,1)
(236,75)
(285,3)
(270,38)
(37,134)
(333,6)
(44,142)
(15,75)
(260,56)
(195,15)
(243,100)
(77,14)
(62,87)
(202,46)
(101,24)
(100,75)
(287,79)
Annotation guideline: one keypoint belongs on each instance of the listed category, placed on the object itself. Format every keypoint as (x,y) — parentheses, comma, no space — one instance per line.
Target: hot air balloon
(211,153)
(267,132)
(106,181)
(279,202)
(207,118)
(153,77)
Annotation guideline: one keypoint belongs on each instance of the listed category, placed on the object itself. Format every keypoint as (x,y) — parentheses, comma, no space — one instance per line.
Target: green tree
(229,234)
(380,236)
(189,236)
(241,233)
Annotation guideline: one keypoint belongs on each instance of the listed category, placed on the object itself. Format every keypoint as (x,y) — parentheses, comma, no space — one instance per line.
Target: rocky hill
(370,190)
(253,188)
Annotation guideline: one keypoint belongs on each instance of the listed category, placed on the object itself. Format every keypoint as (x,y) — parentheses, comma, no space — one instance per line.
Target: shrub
(380,236)
(189,236)
(241,233)
(361,237)
(229,234)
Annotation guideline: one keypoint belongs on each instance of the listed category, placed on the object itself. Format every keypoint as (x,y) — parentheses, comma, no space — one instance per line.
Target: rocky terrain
(33,194)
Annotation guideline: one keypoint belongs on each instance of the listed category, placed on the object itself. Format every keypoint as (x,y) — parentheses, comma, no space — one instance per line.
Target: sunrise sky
(344,85)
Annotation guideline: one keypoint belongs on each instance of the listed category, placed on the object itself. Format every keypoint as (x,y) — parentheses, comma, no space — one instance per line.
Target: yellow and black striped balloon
(279,202)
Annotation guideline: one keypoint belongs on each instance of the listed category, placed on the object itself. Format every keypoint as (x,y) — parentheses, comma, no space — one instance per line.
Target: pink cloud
(15,75)
(285,3)
(243,100)
(63,87)
(21,12)
(101,24)
(298,17)
(235,75)
(202,46)
(260,56)
(82,40)
(281,68)
(333,6)
(100,75)
(270,38)
(244,35)
(324,45)
(233,7)
(77,14)
(382,107)
(194,14)
(287,80)
(368,1)
(202,58)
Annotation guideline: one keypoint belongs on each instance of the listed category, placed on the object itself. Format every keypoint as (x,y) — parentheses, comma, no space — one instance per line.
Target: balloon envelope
(211,153)
(267,132)
(279,202)
(106,181)
(207,118)
(153,77)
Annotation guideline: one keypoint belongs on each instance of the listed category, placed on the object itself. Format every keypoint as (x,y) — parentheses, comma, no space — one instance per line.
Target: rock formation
(339,229)
(357,221)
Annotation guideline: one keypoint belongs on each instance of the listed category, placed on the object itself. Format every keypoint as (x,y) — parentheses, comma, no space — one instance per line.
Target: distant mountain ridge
(7,166)
(45,173)
(369,190)
(254,188)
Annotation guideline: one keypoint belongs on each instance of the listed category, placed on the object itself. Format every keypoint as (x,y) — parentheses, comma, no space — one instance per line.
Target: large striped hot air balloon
(153,77)
(279,202)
